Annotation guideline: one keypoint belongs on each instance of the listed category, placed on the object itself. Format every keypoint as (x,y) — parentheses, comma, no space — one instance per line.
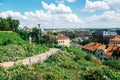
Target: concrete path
(30,60)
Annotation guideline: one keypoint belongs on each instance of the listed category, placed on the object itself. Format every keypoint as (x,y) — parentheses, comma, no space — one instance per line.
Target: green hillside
(10,37)
(12,47)
(71,64)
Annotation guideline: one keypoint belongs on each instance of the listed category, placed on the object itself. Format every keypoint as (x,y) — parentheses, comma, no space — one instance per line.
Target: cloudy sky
(63,13)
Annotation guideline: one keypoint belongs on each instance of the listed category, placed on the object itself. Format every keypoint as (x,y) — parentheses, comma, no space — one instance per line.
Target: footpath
(30,60)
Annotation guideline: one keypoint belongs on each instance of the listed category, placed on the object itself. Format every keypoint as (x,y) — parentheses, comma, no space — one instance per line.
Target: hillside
(12,47)
(71,64)
(10,37)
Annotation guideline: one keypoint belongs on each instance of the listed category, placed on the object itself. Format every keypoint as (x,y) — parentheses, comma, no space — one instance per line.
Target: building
(115,41)
(109,34)
(104,34)
(102,51)
(63,40)
(91,47)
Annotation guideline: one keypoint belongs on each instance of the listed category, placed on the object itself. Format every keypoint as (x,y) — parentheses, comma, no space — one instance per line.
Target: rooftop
(92,46)
(61,37)
(115,39)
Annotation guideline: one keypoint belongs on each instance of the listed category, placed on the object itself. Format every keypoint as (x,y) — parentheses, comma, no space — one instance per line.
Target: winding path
(30,60)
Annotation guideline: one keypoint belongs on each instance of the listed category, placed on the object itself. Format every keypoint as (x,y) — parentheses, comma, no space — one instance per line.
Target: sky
(63,13)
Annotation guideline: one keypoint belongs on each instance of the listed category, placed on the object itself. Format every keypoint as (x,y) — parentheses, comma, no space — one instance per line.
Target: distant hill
(8,37)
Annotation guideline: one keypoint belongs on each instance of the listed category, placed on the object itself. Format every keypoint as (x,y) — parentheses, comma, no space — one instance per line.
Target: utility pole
(39,32)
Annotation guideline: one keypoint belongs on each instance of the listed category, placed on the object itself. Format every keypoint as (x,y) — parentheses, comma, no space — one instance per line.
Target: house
(100,51)
(63,40)
(97,34)
(109,34)
(115,41)
(104,34)
(116,53)
(107,54)
(103,51)
(91,47)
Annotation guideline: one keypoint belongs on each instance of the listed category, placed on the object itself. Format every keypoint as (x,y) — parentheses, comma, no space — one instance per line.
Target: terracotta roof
(101,47)
(92,46)
(61,37)
(115,39)
(118,49)
(109,50)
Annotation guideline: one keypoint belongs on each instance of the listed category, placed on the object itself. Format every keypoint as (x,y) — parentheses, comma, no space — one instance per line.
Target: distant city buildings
(103,34)
(102,51)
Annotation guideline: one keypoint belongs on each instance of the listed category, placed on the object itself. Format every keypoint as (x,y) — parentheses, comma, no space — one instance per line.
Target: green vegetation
(12,47)
(10,38)
(70,64)
(9,24)
(113,64)
(15,52)
(70,34)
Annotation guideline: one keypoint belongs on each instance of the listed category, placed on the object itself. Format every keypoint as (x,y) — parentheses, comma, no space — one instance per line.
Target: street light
(39,32)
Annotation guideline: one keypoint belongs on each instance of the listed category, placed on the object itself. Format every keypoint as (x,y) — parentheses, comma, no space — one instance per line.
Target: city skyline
(63,13)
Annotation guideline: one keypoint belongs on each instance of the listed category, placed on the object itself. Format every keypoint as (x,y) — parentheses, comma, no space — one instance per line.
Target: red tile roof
(92,46)
(115,39)
(61,37)
(110,49)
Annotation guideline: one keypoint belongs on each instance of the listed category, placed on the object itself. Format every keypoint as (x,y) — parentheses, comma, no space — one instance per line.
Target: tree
(4,25)
(36,34)
(9,24)
(14,24)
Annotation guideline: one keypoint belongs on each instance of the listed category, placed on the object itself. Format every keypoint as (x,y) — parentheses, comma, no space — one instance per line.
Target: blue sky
(63,13)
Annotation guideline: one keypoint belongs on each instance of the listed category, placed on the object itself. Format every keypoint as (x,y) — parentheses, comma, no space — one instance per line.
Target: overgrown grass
(14,52)
(70,64)
(10,38)
(13,47)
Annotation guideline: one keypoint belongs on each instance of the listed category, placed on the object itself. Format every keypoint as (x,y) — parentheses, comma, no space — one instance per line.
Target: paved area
(30,60)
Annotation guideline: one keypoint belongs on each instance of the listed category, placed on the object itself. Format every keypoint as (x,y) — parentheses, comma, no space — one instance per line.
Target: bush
(14,52)
(113,64)
(88,57)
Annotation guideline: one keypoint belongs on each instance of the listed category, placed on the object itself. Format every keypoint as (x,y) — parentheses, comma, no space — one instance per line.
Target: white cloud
(106,20)
(13,14)
(58,16)
(113,3)
(96,5)
(70,1)
(60,8)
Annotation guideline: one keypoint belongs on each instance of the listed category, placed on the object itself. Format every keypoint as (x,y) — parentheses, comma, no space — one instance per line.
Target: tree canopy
(9,24)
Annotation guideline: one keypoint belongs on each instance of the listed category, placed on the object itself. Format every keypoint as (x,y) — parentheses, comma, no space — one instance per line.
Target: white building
(63,40)
(108,33)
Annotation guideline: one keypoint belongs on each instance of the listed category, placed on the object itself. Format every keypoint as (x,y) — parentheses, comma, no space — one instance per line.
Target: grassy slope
(72,64)
(12,47)
(10,37)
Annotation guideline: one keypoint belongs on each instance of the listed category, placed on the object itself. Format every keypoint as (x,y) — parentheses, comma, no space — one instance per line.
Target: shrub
(88,57)
(113,64)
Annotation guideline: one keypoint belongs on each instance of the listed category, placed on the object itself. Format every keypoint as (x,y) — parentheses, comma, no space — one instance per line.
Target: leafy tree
(36,34)
(49,39)
(24,34)
(9,24)
(70,34)
(14,24)
(4,25)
